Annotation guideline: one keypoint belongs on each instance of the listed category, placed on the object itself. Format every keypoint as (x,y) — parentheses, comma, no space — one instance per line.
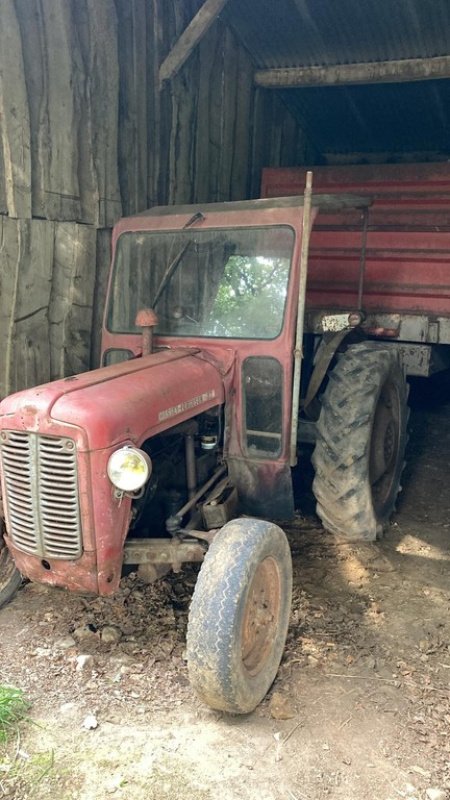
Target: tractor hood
(124,402)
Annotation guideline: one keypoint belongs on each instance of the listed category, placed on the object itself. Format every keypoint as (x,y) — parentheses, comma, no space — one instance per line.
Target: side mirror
(146,319)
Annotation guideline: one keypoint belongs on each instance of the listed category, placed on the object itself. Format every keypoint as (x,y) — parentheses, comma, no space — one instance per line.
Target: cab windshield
(215,283)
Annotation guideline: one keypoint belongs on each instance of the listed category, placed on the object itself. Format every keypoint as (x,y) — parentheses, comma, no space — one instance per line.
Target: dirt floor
(360,709)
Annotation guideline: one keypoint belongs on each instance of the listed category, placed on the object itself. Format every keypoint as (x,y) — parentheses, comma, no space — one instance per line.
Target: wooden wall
(88,135)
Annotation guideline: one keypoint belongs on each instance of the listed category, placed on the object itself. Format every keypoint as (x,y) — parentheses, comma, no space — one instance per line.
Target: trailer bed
(398,249)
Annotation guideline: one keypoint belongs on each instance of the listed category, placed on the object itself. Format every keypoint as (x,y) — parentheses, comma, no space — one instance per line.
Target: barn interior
(110,107)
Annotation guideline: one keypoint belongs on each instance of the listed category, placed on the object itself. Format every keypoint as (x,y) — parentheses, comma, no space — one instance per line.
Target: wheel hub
(261,615)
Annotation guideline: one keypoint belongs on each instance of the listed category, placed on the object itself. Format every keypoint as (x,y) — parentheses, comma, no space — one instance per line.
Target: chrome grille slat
(41,494)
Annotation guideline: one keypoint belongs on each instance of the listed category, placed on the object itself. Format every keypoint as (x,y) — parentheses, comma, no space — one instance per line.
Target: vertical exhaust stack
(146,319)
(298,350)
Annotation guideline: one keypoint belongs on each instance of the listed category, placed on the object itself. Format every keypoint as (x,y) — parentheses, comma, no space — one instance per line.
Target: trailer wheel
(10,578)
(361,440)
(239,615)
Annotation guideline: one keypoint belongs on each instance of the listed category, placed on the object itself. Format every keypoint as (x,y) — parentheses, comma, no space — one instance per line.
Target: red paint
(408,240)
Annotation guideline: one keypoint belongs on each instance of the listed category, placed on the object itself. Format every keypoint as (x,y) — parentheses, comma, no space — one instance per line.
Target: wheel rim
(261,616)
(384,449)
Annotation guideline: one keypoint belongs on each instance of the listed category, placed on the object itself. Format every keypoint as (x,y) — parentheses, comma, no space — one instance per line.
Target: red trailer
(390,261)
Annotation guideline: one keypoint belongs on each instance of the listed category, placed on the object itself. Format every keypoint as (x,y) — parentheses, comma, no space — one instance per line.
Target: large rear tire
(239,615)
(361,440)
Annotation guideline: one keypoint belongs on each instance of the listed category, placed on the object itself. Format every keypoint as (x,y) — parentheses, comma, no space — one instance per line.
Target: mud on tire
(361,440)
(239,615)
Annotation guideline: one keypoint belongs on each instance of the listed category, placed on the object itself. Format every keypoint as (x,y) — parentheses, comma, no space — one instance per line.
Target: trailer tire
(239,615)
(361,441)
(10,577)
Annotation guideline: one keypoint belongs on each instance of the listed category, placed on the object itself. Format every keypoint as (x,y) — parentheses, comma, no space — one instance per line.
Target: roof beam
(408,69)
(189,39)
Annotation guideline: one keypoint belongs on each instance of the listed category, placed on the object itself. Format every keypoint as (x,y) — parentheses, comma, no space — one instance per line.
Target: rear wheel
(361,440)
(10,578)
(239,615)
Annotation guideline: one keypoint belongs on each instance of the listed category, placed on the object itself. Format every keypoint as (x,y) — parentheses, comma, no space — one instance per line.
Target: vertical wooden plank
(14,116)
(36,75)
(132,51)
(87,90)
(62,108)
(168,17)
(177,98)
(72,297)
(241,165)
(215,110)
(3,203)
(258,141)
(230,89)
(26,255)
(275,122)
(101,63)
(202,152)
(154,36)
(183,134)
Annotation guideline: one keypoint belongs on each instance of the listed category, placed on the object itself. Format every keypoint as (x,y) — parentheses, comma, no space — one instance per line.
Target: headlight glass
(129,469)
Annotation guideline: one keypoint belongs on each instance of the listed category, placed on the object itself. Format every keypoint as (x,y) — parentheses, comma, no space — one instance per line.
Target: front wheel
(361,440)
(239,615)
(10,578)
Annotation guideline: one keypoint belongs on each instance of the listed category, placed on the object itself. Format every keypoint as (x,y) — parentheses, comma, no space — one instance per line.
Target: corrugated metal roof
(290,33)
(390,118)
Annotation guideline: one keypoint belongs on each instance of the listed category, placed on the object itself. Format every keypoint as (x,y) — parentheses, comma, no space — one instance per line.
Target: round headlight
(129,468)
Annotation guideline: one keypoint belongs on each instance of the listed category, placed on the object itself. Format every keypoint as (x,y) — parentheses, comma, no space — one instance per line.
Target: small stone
(37,588)
(436,794)
(115,783)
(67,708)
(280,706)
(118,662)
(41,652)
(90,723)
(420,771)
(84,662)
(84,632)
(111,635)
(65,644)
(381,564)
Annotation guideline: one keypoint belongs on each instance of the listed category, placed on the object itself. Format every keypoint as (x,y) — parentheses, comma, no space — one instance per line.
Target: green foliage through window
(255,285)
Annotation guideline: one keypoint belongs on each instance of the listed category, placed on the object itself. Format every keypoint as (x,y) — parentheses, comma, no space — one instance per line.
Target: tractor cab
(222,281)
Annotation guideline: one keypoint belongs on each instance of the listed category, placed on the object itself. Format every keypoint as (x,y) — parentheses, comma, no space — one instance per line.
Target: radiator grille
(41,494)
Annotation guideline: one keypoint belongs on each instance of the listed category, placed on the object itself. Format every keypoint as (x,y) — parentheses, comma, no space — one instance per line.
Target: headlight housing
(129,469)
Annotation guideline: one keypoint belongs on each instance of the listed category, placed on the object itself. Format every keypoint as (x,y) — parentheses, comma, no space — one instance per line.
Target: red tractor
(181,446)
